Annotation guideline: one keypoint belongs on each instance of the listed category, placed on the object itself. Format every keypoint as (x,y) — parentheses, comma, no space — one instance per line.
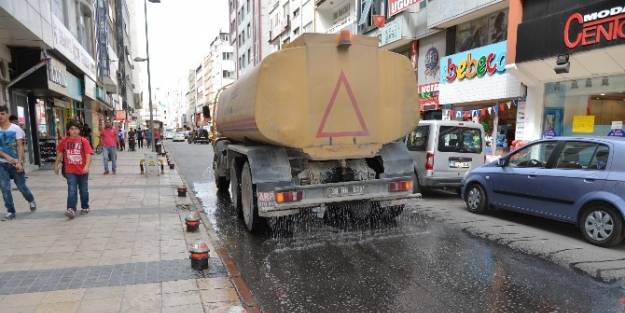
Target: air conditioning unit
(4,71)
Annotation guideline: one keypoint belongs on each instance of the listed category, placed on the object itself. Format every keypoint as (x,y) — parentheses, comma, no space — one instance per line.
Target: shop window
(601,100)
(459,139)
(483,31)
(417,140)
(536,155)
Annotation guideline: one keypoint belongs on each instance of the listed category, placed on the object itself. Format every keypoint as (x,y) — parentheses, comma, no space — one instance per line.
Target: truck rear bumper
(322,195)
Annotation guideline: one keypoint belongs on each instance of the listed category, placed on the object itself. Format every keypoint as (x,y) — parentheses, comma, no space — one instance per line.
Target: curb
(248,300)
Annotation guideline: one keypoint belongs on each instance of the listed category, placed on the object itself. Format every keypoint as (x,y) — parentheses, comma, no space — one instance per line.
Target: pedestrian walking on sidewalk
(148,138)
(108,138)
(140,138)
(73,154)
(11,163)
(121,133)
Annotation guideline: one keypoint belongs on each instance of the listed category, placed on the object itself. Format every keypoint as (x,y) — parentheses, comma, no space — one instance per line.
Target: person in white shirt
(11,166)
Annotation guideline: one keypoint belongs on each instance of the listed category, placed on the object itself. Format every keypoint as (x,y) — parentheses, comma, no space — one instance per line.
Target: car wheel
(602,225)
(475,199)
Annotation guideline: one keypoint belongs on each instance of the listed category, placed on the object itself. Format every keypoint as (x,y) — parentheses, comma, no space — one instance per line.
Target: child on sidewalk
(75,153)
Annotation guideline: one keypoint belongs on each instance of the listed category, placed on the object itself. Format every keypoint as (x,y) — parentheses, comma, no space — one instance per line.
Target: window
(459,139)
(296,12)
(600,159)
(296,31)
(417,140)
(227,55)
(249,30)
(482,31)
(227,74)
(249,56)
(248,6)
(536,155)
(582,155)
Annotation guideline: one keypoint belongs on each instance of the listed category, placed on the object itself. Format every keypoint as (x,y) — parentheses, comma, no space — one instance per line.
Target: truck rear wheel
(235,189)
(249,206)
(221,182)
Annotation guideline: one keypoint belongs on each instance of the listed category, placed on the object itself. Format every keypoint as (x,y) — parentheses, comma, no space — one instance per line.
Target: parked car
(169,135)
(201,136)
(574,180)
(443,151)
(179,136)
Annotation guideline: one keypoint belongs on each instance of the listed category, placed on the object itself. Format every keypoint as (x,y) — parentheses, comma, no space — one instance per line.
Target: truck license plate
(344,191)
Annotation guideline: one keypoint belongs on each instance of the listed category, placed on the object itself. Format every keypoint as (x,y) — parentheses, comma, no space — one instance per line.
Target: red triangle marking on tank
(362,132)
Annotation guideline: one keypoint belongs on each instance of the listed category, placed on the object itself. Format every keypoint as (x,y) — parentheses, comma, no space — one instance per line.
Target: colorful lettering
(462,67)
(471,67)
(489,67)
(481,67)
(451,71)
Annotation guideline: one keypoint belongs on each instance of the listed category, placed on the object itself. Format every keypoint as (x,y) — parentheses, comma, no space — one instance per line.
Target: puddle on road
(314,265)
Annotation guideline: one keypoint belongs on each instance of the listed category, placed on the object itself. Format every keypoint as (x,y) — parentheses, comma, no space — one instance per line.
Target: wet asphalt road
(411,265)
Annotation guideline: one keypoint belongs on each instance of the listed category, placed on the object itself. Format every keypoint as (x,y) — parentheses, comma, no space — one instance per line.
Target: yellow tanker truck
(314,126)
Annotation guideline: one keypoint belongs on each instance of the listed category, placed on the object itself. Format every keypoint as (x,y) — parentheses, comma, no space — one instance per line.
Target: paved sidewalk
(129,254)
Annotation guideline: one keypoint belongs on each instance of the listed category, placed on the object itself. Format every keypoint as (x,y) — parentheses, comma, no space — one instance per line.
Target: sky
(180,34)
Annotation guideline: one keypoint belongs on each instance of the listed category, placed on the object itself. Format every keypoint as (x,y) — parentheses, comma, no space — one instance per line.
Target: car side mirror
(501,162)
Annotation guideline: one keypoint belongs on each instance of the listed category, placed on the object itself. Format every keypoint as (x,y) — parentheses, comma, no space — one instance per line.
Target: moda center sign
(591,28)
(548,32)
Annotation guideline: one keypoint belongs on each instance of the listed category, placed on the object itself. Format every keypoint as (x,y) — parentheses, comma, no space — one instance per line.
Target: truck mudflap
(383,190)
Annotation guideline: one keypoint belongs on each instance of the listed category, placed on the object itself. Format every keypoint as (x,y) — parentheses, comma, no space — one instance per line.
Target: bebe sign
(598,26)
(488,60)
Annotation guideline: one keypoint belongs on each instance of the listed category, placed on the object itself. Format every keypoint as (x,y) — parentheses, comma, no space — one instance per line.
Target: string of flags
(483,112)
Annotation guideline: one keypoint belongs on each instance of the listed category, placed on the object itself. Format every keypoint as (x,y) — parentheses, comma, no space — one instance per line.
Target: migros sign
(484,61)
(594,27)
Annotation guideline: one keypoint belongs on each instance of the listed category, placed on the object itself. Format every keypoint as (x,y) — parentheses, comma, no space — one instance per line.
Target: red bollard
(199,255)
(192,221)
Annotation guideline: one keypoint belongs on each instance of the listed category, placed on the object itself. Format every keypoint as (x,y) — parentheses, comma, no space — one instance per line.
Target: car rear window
(460,139)
(417,140)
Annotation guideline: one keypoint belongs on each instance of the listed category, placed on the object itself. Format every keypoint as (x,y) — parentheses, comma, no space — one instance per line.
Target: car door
(578,170)
(514,184)
(417,143)
(459,148)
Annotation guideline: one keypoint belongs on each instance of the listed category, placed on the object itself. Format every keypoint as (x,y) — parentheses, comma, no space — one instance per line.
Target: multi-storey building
(249,32)
(289,19)
(190,96)
(48,70)
(336,15)
(221,67)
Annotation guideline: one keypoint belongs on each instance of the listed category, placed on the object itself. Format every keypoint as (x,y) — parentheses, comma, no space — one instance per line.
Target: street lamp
(147,59)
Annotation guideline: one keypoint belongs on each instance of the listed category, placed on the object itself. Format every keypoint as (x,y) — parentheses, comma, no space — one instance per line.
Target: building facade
(334,16)
(571,56)
(289,20)
(249,33)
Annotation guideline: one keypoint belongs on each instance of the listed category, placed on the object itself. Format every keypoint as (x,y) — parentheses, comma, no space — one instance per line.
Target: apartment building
(249,33)
(289,19)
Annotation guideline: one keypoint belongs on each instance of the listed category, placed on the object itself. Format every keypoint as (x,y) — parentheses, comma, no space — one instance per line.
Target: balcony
(280,29)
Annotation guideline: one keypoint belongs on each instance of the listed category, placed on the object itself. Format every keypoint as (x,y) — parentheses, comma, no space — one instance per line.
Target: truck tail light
(429,161)
(398,186)
(289,196)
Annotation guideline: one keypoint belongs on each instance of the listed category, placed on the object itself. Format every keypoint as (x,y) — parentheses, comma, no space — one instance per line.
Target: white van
(443,151)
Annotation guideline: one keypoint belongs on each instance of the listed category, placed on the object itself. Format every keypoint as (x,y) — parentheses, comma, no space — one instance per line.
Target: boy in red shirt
(75,153)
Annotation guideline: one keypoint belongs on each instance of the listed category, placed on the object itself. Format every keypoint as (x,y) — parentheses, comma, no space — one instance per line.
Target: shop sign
(65,43)
(593,27)
(520,121)
(348,20)
(584,124)
(90,88)
(597,24)
(431,49)
(477,63)
(74,87)
(617,129)
(398,6)
(428,96)
(390,33)
(57,76)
